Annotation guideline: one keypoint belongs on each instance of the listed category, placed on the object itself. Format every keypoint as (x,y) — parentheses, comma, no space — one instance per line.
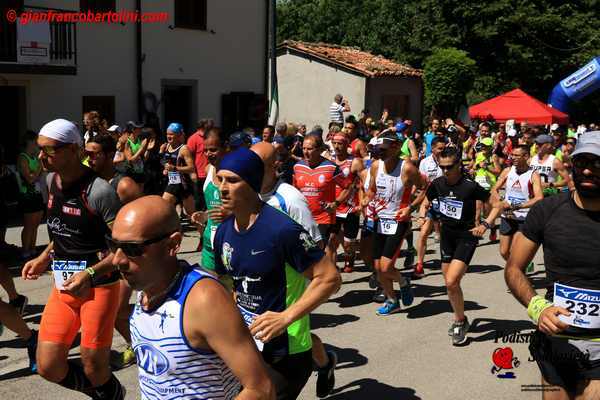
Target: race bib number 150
(451,208)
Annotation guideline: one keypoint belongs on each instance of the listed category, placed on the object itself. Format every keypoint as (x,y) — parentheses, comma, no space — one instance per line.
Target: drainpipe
(266,72)
(138,60)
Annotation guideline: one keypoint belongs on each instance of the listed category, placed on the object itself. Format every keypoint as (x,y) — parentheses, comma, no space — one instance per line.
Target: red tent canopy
(519,106)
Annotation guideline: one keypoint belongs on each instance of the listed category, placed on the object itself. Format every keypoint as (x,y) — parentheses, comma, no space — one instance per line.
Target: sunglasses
(92,154)
(51,150)
(584,162)
(448,167)
(133,248)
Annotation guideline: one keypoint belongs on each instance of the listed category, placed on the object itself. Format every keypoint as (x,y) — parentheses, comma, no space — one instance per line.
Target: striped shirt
(336,113)
(168,367)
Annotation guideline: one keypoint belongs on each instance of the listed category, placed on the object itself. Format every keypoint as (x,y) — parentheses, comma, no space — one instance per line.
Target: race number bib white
(174,178)
(451,208)
(583,304)
(516,200)
(63,270)
(213,232)
(249,318)
(387,226)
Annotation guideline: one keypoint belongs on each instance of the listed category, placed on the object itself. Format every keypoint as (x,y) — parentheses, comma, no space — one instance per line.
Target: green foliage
(448,76)
(530,44)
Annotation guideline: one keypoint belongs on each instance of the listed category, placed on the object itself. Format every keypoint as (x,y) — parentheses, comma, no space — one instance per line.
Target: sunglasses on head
(586,162)
(133,248)
(448,167)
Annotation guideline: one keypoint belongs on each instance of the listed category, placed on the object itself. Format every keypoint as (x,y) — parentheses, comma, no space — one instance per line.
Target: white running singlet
(519,189)
(390,195)
(545,169)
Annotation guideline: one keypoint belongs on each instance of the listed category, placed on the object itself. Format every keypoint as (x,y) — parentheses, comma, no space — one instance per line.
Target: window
(190,14)
(105,105)
(97,5)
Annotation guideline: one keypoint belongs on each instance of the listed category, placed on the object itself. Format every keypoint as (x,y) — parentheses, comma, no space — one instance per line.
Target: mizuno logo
(254,252)
(566,292)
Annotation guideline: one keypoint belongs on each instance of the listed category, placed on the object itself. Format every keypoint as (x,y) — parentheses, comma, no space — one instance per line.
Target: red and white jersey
(318,186)
(519,189)
(347,178)
(391,194)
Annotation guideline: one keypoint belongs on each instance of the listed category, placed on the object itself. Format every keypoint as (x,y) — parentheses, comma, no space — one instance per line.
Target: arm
(564,174)
(33,269)
(29,175)
(188,168)
(538,194)
(495,192)
(134,157)
(414,154)
(210,319)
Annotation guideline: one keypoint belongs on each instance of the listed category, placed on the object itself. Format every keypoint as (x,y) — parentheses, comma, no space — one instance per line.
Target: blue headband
(247,164)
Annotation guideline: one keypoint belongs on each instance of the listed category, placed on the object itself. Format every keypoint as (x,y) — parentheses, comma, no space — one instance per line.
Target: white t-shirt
(288,199)
(430,168)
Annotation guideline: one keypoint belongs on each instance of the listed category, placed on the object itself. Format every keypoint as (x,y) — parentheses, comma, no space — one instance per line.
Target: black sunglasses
(133,248)
(448,167)
(585,162)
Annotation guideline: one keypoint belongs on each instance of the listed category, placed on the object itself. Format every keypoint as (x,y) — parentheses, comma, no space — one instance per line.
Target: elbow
(336,282)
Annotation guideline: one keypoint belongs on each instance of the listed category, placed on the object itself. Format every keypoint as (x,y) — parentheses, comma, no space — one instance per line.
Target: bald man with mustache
(181,311)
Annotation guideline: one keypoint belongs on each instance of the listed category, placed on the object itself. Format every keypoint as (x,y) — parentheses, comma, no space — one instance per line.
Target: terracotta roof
(353,58)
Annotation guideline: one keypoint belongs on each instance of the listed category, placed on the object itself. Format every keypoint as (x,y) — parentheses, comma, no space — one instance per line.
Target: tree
(448,77)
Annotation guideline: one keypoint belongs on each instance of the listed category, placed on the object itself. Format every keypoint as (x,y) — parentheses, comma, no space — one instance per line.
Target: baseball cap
(487,141)
(115,128)
(134,125)
(480,158)
(238,139)
(543,139)
(553,127)
(175,127)
(588,143)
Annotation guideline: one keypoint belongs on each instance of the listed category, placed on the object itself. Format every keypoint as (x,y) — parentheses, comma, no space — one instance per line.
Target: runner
(549,167)
(431,169)
(347,218)
(269,256)
(135,149)
(358,147)
(178,169)
(315,177)
(81,208)
(100,151)
(187,333)
(523,188)
(288,199)
(390,189)
(566,345)
(457,196)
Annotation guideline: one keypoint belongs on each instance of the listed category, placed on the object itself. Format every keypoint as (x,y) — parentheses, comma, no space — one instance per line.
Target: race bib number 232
(583,304)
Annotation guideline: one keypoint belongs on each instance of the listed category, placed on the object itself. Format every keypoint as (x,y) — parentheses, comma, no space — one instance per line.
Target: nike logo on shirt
(254,252)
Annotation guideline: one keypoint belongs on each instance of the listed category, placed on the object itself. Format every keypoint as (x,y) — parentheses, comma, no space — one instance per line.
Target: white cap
(61,130)
(115,128)
(553,127)
(512,132)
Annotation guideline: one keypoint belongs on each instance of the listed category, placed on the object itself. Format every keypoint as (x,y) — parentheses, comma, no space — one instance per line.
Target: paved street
(403,356)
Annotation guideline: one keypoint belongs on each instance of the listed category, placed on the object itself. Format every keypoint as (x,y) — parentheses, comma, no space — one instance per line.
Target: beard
(586,191)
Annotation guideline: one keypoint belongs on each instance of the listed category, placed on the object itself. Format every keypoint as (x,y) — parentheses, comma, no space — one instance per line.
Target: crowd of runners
(282,214)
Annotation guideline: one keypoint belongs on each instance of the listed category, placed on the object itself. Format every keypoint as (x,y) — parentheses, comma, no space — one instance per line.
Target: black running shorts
(350,224)
(388,246)
(509,227)
(457,245)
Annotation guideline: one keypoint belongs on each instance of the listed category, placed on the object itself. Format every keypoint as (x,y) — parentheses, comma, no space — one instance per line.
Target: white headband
(61,130)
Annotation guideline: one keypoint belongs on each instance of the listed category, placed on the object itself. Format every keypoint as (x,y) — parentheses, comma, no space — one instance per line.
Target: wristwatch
(486,224)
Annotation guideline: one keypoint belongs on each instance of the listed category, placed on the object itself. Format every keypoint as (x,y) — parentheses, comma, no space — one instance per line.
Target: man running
(81,208)
(429,167)
(178,168)
(347,217)
(186,331)
(549,167)
(392,182)
(522,189)
(566,345)
(269,257)
(100,151)
(457,196)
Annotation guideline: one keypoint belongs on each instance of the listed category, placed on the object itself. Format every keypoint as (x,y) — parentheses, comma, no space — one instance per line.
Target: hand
(403,213)
(549,322)
(478,230)
(145,142)
(505,205)
(199,217)
(169,167)
(33,269)
(216,214)
(420,222)
(79,284)
(330,207)
(269,325)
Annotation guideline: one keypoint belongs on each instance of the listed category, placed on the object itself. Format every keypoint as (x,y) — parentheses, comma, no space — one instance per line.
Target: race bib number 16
(583,304)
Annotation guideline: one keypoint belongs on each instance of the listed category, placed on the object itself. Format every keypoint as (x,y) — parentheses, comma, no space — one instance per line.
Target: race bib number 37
(583,304)
(451,208)
(63,270)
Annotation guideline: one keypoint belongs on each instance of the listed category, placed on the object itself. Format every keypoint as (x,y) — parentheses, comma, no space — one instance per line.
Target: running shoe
(459,335)
(418,272)
(530,268)
(19,304)
(326,376)
(406,294)
(451,329)
(124,359)
(348,268)
(379,296)
(389,307)
(31,350)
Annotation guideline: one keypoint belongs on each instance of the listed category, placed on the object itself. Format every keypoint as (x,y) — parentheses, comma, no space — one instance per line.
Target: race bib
(516,200)
(63,270)
(213,232)
(451,208)
(174,178)
(583,304)
(249,318)
(387,226)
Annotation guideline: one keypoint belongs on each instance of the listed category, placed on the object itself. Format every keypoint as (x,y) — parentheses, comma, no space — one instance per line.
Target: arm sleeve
(299,249)
(533,228)
(103,200)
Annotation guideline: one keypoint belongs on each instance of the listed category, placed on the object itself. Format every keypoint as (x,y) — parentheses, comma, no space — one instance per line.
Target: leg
(188,205)
(560,394)
(52,363)
(332,245)
(13,321)
(453,273)
(319,355)
(426,230)
(588,390)
(96,365)
(505,243)
(6,281)
(366,250)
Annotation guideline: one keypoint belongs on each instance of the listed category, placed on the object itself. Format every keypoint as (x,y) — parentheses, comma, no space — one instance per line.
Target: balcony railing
(60,57)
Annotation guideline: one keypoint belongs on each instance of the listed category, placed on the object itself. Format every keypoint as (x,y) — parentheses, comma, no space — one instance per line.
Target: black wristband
(485,223)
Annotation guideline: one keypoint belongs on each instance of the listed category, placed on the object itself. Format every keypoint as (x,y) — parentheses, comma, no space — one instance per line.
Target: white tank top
(545,169)
(519,189)
(390,196)
(168,367)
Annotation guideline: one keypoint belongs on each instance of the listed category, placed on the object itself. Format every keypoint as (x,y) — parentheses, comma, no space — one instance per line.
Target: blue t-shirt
(266,263)
(428,139)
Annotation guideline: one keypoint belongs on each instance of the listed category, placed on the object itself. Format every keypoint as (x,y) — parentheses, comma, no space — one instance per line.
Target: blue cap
(238,139)
(175,127)
(401,127)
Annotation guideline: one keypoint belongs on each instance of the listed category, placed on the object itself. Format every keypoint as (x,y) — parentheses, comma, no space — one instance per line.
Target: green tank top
(212,197)
(405,151)
(137,166)
(34,165)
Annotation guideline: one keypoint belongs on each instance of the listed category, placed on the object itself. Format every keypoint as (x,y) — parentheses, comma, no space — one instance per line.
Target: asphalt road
(403,356)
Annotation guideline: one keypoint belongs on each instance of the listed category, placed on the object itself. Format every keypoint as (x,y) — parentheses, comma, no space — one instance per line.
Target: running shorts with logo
(389,246)
(457,245)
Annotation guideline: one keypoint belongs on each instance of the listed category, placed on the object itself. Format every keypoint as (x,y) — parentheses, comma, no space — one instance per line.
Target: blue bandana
(247,164)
